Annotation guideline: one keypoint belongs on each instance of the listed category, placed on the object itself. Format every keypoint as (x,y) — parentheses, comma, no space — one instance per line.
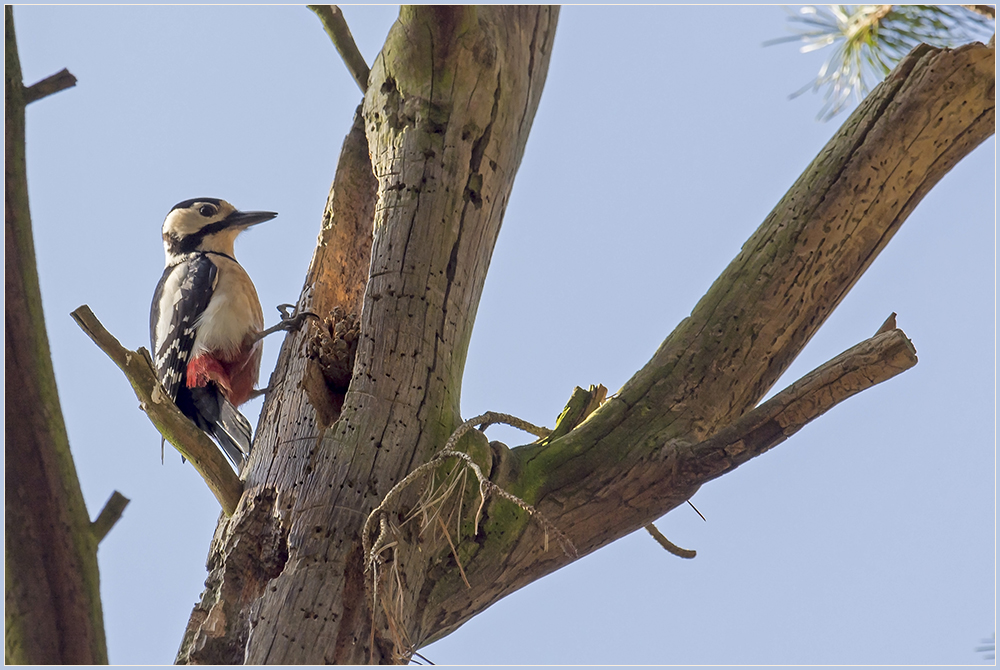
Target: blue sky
(664,137)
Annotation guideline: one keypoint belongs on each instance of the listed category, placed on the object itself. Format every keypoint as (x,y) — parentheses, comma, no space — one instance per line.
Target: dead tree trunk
(294,575)
(52,597)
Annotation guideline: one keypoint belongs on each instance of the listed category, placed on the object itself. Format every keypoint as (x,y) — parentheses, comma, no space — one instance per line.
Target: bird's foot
(291,319)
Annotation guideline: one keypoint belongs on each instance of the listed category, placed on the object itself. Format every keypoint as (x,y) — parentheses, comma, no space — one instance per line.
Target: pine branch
(869,40)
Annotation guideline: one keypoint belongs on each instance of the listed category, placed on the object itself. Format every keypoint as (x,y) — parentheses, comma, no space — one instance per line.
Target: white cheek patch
(181,222)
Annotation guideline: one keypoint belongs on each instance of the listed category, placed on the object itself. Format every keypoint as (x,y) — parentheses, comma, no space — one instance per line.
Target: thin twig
(489,418)
(429,661)
(59,81)
(109,516)
(667,544)
(336,27)
(564,542)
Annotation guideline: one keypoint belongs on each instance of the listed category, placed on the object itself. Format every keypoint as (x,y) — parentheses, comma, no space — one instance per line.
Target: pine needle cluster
(868,41)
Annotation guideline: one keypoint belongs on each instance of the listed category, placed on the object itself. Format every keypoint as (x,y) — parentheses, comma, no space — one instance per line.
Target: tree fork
(638,455)
(336,277)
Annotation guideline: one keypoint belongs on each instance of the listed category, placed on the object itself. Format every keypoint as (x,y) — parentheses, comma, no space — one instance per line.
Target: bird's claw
(291,319)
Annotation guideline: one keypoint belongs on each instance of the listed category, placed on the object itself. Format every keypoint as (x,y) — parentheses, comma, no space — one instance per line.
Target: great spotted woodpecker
(205,322)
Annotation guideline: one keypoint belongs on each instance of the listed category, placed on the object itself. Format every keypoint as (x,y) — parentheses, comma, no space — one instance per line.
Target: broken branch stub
(871,362)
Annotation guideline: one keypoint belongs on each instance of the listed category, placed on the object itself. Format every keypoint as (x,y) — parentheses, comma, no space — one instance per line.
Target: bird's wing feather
(181,296)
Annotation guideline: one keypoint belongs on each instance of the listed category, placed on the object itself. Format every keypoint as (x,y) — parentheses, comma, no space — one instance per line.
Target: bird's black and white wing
(181,296)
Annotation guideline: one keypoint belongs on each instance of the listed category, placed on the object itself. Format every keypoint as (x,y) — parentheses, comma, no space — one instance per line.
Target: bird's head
(206,224)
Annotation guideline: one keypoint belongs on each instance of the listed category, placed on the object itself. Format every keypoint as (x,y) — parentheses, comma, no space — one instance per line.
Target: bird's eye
(207,210)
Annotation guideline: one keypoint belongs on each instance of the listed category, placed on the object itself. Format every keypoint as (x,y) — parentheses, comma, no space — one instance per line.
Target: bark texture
(449,105)
(52,599)
(446,118)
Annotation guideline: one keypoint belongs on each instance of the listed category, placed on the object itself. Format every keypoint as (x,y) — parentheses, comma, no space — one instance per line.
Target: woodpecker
(205,323)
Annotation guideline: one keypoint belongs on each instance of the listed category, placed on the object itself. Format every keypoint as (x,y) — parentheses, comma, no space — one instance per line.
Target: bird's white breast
(232,314)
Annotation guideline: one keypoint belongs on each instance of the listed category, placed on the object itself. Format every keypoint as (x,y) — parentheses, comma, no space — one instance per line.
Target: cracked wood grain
(446,115)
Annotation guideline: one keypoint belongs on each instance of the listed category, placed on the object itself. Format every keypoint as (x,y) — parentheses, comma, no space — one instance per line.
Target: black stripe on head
(187,203)
(190,243)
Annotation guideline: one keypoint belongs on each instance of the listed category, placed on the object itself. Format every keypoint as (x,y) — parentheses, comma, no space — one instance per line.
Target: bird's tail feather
(210,410)
(232,431)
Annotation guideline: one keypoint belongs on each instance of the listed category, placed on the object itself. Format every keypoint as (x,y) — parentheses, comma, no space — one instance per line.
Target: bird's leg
(291,319)
(256,393)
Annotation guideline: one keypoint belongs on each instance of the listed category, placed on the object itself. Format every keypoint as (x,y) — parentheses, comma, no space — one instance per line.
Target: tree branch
(796,268)
(864,365)
(46,87)
(336,27)
(187,438)
(686,417)
(110,513)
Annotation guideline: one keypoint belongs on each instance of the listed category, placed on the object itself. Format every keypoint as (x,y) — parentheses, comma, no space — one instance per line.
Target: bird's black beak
(247,219)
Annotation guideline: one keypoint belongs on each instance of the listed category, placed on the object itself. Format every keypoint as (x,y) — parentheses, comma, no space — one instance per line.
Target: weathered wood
(299,411)
(447,114)
(52,597)
(109,515)
(871,362)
